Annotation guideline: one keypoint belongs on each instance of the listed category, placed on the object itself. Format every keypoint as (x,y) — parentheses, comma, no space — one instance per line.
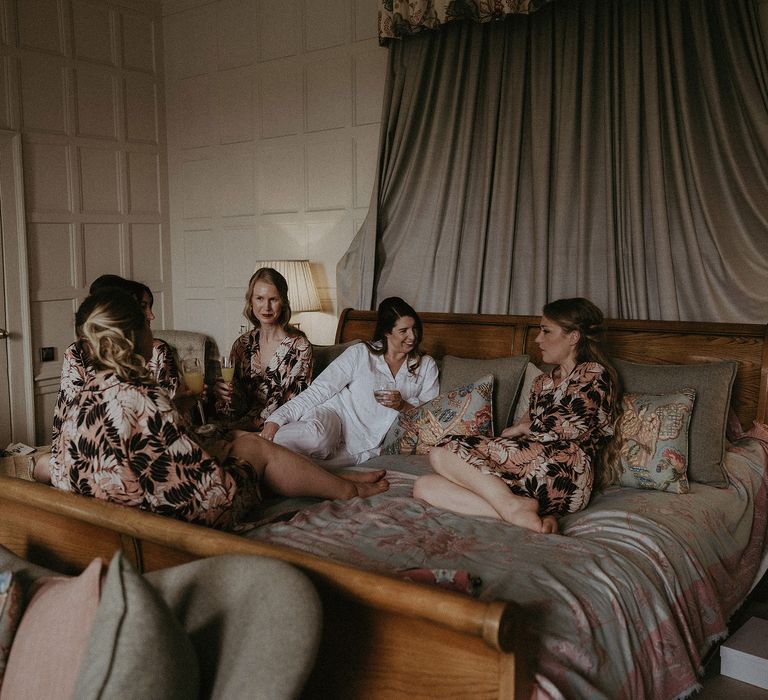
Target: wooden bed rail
(65,531)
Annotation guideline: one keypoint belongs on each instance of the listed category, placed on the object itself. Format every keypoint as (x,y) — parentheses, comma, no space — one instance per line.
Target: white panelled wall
(273,110)
(81,80)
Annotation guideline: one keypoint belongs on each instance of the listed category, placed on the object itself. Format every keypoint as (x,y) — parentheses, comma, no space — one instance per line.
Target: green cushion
(507,373)
(137,648)
(712,383)
(323,355)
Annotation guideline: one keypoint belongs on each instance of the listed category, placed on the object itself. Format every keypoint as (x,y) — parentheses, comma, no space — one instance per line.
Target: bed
(626,604)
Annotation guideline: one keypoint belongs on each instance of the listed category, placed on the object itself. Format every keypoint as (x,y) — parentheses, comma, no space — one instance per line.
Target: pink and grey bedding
(628,601)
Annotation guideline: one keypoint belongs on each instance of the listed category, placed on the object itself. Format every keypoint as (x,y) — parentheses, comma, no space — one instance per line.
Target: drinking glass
(383,389)
(195,381)
(227,369)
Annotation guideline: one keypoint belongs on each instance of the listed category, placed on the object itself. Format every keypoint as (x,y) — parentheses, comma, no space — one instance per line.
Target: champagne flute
(194,379)
(227,374)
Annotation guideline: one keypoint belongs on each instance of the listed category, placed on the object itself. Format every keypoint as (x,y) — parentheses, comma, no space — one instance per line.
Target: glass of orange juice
(193,375)
(227,369)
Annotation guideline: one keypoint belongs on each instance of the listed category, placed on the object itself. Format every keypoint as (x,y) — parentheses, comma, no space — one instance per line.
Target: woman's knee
(424,487)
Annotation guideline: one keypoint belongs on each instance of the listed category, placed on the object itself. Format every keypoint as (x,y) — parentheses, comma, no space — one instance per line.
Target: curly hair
(107,323)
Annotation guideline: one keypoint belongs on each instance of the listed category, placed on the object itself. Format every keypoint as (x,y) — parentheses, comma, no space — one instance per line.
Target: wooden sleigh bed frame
(383,637)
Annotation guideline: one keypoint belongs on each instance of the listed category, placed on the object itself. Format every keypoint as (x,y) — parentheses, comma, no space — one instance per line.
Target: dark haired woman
(273,362)
(121,440)
(338,418)
(543,466)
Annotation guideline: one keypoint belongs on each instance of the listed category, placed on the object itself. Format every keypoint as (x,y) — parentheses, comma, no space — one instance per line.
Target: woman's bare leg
(517,510)
(290,474)
(440,492)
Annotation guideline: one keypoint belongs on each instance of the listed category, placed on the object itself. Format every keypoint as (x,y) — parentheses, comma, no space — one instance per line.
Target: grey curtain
(611,149)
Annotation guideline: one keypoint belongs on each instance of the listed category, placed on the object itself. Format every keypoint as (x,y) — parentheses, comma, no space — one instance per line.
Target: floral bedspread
(631,596)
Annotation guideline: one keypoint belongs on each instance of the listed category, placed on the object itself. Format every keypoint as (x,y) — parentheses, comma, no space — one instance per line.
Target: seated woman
(121,439)
(76,367)
(338,418)
(543,466)
(272,362)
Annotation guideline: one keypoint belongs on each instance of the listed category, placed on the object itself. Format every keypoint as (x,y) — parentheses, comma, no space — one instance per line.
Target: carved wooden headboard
(656,342)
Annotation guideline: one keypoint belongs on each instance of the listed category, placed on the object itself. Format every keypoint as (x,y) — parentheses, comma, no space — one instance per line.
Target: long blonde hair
(107,324)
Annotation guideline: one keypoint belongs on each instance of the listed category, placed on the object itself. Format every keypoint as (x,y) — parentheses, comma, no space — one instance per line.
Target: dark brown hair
(390,311)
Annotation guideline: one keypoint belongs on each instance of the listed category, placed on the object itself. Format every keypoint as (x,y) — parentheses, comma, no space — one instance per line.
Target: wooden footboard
(383,637)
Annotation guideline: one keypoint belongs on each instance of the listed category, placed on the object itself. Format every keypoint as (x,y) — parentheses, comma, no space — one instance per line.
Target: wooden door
(17,405)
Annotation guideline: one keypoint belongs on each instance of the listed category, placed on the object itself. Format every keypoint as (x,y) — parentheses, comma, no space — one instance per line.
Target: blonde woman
(272,361)
(122,440)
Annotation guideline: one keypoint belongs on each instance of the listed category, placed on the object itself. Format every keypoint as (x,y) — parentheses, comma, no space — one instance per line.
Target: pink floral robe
(123,442)
(569,424)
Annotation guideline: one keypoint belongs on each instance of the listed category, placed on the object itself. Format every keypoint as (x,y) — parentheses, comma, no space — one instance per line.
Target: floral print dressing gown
(259,392)
(122,441)
(77,369)
(569,424)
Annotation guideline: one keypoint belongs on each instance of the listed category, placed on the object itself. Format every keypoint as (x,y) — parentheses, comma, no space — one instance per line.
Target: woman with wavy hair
(544,466)
(122,440)
(272,361)
(339,418)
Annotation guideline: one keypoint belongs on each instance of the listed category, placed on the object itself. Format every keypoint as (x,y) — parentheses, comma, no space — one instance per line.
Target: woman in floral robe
(273,362)
(122,440)
(544,466)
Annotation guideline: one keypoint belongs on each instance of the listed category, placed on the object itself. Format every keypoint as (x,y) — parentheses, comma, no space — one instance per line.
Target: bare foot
(550,525)
(523,512)
(363,477)
(365,489)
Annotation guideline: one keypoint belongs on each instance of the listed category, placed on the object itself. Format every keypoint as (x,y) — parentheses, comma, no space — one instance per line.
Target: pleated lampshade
(302,291)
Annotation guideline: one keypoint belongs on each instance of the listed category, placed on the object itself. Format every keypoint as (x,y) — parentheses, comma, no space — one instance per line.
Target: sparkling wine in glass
(383,389)
(227,369)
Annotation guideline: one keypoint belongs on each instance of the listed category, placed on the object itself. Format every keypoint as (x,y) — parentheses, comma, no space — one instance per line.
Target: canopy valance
(401,18)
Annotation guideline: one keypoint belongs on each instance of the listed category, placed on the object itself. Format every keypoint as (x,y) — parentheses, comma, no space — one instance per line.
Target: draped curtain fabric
(401,18)
(611,149)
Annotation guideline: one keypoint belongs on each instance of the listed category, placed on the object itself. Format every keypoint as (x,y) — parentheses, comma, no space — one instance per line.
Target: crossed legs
(458,487)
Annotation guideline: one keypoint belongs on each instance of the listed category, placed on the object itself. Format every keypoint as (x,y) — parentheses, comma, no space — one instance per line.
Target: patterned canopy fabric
(401,18)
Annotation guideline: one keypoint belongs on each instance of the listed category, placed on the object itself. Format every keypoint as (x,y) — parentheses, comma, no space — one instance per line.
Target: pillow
(524,398)
(137,648)
(11,606)
(52,635)
(507,373)
(323,355)
(653,452)
(712,383)
(466,410)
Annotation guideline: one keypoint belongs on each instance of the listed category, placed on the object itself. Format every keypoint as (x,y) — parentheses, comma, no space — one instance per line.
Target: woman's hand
(391,399)
(520,429)
(269,430)
(223,391)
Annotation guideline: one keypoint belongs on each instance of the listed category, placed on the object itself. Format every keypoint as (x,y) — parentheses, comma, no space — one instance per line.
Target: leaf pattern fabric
(77,368)
(570,422)
(124,442)
(259,390)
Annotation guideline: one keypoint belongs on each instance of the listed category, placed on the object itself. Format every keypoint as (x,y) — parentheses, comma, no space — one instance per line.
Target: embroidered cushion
(507,374)
(465,410)
(712,382)
(653,451)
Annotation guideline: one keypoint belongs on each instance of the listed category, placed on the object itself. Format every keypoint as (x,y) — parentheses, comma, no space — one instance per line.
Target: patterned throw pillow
(466,410)
(11,601)
(653,430)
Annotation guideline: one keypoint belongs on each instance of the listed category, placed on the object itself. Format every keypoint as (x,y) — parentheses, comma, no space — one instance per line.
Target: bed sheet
(629,598)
